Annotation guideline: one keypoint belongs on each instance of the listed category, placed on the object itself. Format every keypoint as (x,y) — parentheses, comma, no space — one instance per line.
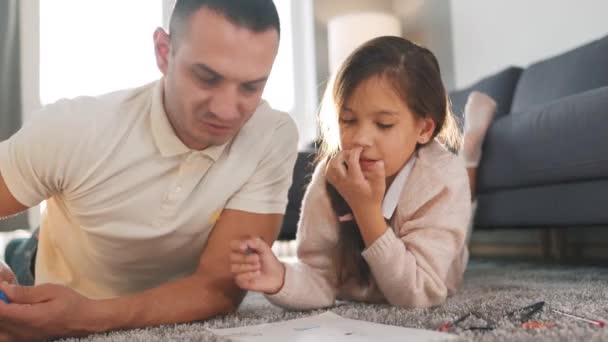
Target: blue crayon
(4,298)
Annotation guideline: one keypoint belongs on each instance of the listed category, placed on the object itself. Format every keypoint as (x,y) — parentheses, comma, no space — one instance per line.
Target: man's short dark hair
(255,15)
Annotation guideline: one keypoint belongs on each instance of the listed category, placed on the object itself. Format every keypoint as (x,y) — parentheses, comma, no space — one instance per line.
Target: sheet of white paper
(328,326)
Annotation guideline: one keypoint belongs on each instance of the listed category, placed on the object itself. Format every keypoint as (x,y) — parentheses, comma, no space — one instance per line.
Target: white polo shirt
(129,205)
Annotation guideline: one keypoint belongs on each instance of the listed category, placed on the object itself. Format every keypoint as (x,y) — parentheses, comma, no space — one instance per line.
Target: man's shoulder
(268,126)
(266,116)
(91,122)
(89,109)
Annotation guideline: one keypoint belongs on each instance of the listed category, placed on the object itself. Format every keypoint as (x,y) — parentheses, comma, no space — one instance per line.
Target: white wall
(29,16)
(489,35)
(324,10)
(426,22)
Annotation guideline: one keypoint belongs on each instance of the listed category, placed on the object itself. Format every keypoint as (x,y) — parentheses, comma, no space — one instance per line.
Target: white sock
(478,114)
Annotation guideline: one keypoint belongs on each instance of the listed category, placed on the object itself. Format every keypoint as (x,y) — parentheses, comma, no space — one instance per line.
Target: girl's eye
(385,126)
(347,121)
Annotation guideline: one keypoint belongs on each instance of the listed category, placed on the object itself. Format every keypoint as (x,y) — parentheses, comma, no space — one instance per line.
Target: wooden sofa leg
(545,244)
(560,242)
(554,244)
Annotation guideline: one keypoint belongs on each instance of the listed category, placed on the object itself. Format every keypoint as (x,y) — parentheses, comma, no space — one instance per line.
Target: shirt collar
(164,135)
(393,194)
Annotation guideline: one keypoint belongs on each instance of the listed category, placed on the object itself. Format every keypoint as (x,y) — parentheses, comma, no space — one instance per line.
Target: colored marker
(4,298)
(590,321)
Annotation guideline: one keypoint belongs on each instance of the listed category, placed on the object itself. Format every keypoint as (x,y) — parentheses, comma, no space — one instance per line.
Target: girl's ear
(426,128)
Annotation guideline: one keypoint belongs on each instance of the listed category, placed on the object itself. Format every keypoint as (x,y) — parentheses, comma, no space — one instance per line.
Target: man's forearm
(185,300)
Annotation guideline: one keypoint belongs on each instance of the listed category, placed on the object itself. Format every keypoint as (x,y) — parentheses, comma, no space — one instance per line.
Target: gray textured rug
(491,288)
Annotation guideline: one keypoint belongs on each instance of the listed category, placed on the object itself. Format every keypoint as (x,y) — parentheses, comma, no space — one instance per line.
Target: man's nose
(224,103)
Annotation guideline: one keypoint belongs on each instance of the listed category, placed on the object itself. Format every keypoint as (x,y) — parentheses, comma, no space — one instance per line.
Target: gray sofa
(545,157)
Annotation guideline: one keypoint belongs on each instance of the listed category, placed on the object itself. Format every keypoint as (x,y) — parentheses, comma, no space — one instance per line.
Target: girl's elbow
(419,299)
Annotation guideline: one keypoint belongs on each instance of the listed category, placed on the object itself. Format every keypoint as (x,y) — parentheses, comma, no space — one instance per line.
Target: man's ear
(162,49)
(426,129)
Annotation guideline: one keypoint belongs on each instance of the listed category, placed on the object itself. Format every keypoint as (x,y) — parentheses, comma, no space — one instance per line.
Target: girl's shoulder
(436,167)
(316,188)
(437,157)
(436,171)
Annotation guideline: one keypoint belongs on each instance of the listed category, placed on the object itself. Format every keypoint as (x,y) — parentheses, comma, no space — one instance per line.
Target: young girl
(386,214)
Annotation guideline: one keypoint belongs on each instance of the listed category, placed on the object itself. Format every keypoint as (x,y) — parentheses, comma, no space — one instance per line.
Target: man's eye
(250,88)
(347,121)
(210,81)
(385,126)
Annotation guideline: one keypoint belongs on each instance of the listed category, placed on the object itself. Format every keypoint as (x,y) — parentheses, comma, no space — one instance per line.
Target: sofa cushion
(558,205)
(499,86)
(562,141)
(573,72)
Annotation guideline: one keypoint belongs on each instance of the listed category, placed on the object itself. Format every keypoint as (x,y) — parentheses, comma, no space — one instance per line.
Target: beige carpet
(491,288)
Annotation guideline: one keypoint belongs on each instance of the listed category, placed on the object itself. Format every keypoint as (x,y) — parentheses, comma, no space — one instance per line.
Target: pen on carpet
(4,298)
(590,321)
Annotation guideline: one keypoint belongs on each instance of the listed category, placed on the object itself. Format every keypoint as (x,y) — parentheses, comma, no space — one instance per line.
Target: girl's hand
(255,266)
(359,188)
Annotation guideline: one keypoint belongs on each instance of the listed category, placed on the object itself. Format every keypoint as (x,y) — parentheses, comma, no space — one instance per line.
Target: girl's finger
(242,283)
(337,168)
(241,258)
(378,172)
(243,268)
(247,276)
(353,160)
(238,245)
(237,258)
(259,245)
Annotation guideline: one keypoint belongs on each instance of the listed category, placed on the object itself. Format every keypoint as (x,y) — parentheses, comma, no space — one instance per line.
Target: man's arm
(212,289)
(208,292)
(8,204)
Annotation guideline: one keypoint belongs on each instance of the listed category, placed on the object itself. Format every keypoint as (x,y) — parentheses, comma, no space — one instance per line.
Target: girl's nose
(362,138)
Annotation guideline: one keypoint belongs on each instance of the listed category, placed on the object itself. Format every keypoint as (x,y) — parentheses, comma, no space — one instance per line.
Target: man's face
(215,74)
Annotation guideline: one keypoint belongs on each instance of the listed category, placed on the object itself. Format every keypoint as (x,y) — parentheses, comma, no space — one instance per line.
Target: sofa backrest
(572,72)
(499,86)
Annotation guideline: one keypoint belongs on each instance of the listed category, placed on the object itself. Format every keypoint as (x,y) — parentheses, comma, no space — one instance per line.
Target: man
(146,188)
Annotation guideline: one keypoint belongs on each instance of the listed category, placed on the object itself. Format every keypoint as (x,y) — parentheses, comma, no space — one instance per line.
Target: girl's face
(375,118)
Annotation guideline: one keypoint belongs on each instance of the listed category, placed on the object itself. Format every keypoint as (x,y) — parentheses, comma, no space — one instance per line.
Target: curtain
(10,86)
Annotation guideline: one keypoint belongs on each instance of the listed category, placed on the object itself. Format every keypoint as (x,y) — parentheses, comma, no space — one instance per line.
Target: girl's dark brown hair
(413,72)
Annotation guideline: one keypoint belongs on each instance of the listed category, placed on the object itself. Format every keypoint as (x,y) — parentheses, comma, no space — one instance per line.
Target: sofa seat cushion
(559,205)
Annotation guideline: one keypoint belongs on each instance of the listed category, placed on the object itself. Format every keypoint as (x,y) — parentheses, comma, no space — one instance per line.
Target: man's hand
(6,274)
(37,313)
(359,187)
